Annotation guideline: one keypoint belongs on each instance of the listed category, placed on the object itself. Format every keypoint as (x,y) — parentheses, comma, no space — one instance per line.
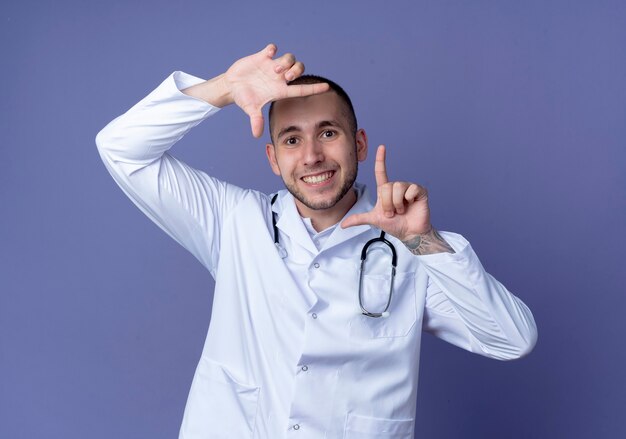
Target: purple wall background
(512,113)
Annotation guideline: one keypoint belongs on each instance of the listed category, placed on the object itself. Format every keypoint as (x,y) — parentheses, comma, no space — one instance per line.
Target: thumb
(269,50)
(256,123)
(357,219)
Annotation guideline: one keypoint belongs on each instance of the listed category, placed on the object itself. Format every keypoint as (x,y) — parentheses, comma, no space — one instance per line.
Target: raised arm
(183,201)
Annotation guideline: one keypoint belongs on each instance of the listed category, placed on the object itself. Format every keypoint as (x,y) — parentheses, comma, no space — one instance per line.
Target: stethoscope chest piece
(281,250)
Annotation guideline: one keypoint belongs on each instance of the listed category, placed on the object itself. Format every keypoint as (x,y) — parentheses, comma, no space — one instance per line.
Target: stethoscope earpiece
(281,250)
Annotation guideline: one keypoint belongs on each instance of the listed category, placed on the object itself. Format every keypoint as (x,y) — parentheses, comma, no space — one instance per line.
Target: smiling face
(316,153)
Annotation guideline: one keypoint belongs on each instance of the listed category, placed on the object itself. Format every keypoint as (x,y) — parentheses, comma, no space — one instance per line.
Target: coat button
(296,427)
(316,265)
(305,368)
(314,315)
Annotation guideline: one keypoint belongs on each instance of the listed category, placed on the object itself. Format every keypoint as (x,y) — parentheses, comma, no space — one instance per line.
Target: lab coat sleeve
(185,202)
(469,308)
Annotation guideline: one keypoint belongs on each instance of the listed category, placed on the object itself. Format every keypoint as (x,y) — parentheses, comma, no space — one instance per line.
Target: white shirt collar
(291,223)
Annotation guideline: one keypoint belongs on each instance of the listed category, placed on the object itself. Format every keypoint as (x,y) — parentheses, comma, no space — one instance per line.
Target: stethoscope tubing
(381,238)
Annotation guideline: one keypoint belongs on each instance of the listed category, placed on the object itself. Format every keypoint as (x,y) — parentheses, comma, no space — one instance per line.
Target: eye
(327,134)
(291,141)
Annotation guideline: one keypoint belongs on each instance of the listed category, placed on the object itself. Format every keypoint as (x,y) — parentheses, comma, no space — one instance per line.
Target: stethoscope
(394,261)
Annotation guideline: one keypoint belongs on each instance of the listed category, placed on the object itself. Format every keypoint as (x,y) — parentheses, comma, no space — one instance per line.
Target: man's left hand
(402,211)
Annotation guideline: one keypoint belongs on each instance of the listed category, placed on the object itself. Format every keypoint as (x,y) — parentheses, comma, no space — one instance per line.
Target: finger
(256,123)
(269,50)
(413,193)
(398,196)
(385,197)
(358,219)
(284,62)
(299,91)
(296,70)
(380,169)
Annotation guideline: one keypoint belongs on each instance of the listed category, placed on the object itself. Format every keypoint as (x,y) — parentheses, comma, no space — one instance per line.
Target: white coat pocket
(218,405)
(402,310)
(364,427)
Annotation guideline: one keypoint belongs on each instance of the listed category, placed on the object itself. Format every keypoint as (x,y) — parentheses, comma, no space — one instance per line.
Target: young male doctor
(305,339)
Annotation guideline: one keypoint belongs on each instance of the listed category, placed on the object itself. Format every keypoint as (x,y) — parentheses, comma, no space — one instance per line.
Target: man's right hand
(254,81)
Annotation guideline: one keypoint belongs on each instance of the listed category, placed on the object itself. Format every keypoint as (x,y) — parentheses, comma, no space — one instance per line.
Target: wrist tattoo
(429,243)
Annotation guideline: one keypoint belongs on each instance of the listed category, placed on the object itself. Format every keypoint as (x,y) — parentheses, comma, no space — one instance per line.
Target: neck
(324,218)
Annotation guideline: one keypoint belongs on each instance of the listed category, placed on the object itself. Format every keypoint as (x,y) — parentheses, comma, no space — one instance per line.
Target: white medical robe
(288,353)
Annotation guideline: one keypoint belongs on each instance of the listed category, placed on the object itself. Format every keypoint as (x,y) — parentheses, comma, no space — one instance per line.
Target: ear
(361,144)
(270,151)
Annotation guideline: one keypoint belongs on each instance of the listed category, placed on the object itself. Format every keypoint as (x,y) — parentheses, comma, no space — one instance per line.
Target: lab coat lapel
(290,221)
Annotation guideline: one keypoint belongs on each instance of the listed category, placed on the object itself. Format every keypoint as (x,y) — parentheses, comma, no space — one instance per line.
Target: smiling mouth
(318,178)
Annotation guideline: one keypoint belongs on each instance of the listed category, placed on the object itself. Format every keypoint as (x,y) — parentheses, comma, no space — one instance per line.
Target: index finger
(380,169)
(302,90)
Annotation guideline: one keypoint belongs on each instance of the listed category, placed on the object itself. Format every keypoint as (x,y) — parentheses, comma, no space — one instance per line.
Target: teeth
(318,178)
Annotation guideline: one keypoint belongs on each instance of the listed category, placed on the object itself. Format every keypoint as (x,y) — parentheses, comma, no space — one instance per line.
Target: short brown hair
(343,96)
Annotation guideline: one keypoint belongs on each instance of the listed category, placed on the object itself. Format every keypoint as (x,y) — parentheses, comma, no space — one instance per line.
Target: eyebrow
(287,130)
(294,128)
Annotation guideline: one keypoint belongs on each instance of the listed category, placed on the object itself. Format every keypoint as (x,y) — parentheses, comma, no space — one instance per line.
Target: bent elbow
(523,338)
(507,349)
(522,347)
(102,139)
(528,345)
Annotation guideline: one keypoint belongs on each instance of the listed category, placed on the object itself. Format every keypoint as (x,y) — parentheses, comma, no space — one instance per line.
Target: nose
(313,152)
